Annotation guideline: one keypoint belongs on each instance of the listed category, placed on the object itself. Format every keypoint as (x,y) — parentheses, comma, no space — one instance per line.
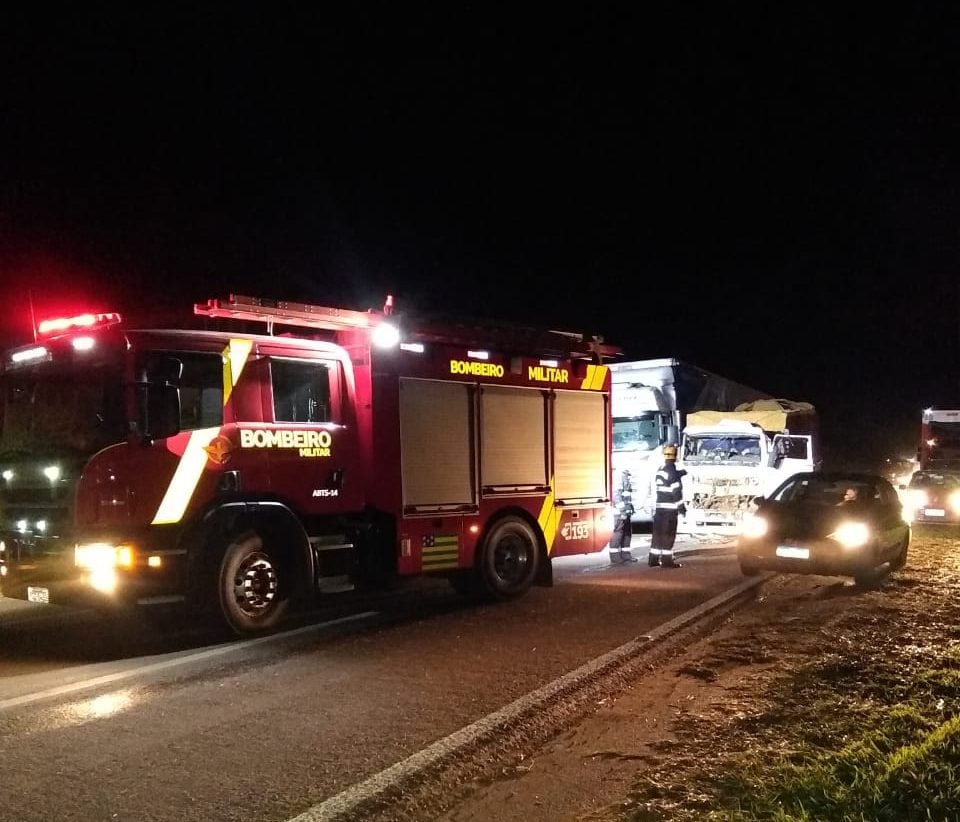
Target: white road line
(120,676)
(348,800)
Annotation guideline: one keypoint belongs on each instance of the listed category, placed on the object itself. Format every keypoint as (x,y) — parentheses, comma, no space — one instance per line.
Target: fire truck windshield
(50,411)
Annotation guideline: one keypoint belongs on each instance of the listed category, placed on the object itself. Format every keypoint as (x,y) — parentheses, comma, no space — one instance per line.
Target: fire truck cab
(244,472)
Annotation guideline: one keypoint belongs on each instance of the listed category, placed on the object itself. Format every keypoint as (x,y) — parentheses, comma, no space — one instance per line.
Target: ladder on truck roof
(282,312)
(514,339)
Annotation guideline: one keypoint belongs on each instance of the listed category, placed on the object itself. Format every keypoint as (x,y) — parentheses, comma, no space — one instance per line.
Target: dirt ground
(641,754)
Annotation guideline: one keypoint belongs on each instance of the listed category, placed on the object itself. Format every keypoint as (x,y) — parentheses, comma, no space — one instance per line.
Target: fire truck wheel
(252,588)
(507,563)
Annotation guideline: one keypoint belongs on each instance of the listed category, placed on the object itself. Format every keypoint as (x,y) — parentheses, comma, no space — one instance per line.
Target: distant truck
(939,447)
(651,400)
(732,457)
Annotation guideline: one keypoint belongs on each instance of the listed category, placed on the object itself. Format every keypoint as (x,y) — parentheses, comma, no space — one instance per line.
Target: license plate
(934,512)
(790,552)
(38,594)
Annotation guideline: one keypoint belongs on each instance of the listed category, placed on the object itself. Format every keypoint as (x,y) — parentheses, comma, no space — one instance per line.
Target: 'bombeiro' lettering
(260,438)
(476,369)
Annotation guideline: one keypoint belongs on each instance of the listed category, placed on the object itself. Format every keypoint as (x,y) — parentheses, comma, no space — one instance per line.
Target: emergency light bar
(64,325)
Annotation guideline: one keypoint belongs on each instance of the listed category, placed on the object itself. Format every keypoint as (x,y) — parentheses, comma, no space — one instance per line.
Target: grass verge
(871,733)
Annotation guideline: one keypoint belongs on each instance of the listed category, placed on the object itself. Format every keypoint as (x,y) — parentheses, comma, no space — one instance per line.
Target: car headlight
(917,498)
(852,534)
(954,501)
(755,527)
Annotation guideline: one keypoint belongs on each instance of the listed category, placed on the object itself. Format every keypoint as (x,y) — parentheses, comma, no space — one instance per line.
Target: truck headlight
(100,561)
(97,556)
(852,534)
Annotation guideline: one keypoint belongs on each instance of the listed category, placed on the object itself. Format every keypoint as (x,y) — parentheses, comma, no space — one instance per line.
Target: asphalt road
(119,720)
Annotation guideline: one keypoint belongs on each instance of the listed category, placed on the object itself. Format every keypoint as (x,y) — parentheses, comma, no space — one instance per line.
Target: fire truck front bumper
(97,575)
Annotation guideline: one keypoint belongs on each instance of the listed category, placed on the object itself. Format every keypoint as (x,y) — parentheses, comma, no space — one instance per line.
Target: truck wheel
(254,595)
(507,562)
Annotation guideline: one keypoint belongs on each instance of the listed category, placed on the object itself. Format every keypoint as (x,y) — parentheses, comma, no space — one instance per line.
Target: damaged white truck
(732,457)
(650,401)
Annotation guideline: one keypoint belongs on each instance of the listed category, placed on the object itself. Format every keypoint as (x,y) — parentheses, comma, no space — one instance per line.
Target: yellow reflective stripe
(596,375)
(185,478)
(587,380)
(234,358)
(599,375)
(549,518)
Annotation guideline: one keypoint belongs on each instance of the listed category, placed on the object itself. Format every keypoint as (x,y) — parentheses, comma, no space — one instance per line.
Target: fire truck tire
(254,594)
(508,560)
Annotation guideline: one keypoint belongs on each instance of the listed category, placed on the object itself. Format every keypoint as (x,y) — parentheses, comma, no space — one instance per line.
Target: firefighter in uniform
(669,507)
(622,529)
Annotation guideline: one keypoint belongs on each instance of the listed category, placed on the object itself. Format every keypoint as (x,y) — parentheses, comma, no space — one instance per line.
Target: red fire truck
(299,452)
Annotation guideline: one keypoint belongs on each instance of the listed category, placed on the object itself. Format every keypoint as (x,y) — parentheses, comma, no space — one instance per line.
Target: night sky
(771,197)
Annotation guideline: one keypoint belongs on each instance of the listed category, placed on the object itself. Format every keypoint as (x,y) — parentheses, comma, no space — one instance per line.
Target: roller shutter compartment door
(513,448)
(580,446)
(436,444)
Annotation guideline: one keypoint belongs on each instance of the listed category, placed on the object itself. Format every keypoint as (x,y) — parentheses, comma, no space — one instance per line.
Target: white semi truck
(732,457)
(650,402)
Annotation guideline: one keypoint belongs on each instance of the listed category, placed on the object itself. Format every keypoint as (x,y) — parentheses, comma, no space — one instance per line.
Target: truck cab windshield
(46,410)
(636,434)
(706,449)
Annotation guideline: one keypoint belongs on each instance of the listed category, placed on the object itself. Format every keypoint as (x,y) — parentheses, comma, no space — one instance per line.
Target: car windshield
(926,479)
(636,434)
(48,410)
(715,448)
(820,490)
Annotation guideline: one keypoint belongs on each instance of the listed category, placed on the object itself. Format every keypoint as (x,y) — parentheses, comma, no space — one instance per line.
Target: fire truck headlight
(100,556)
(7,474)
(755,527)
(103,580)
(852,534)
(41,525)
(52,472)
(385,335)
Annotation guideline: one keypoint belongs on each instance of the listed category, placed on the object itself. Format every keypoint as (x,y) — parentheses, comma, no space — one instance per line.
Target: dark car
(933,496)
(841,524)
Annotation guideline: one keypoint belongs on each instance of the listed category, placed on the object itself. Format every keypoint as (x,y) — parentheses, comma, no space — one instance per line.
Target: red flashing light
(63,325)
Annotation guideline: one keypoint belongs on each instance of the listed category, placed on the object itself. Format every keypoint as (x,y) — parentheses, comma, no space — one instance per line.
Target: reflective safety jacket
(623,497)
(669,487)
